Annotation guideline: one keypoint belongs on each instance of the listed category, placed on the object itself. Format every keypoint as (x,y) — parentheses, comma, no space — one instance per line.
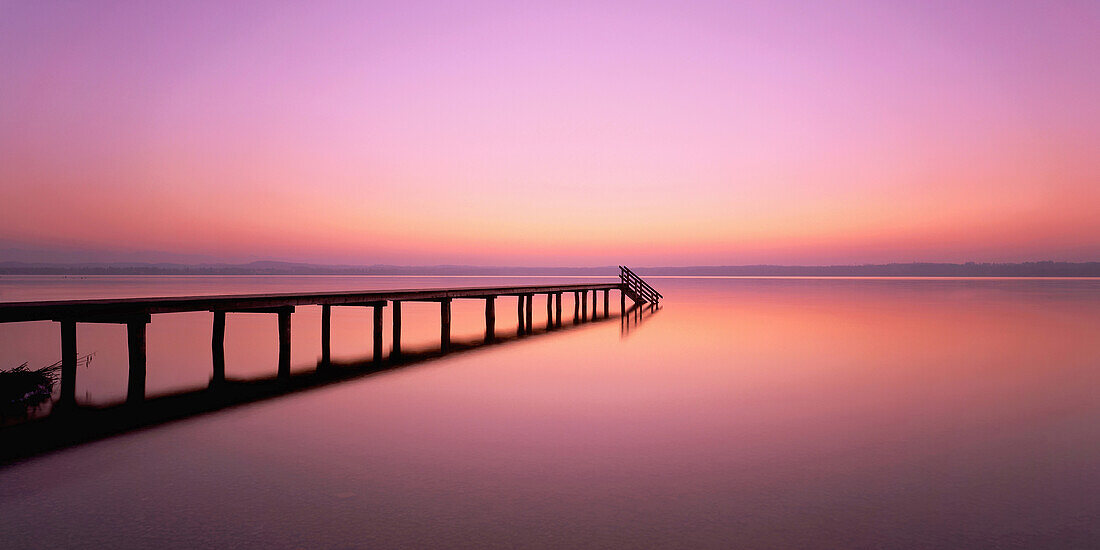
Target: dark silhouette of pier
(69,423)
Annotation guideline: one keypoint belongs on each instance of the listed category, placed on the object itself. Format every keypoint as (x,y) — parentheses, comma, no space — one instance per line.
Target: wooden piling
(549,311)
(584,305)
(377,333)
(520,300)
(135,341)
(445,323)
(284,344)
(326,334)
(606,303)
(217,346)
(490,317)
(557,309)
(576,307)
(396,348)
(622,302)
(528,323)
(68,363)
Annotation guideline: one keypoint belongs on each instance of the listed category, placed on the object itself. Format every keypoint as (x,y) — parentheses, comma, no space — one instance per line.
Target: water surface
(749,412)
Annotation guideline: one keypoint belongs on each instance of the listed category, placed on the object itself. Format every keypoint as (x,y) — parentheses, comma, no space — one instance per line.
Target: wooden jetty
(135,313)
(79,425)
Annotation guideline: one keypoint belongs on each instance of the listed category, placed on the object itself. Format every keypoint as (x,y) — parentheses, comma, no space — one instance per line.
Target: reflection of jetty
(81,424)
(633,318)
(135,314)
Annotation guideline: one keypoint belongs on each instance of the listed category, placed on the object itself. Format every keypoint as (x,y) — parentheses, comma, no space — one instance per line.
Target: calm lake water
(746,413)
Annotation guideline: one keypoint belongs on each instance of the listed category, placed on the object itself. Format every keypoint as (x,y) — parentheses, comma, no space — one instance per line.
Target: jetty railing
(635,285)
(136,313)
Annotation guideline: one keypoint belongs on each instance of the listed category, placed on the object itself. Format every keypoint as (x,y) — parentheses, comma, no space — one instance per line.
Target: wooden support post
(528,324)
(594,308)
(576,306)
(445,323)
(622,302)
(377,333)
(326,334)
(68,364)
(135,341)
(549,311)
(284,344)
(557,309)
(396,350)
(584,305)
(490,317)
(217,347)
(519,314)
(606,303)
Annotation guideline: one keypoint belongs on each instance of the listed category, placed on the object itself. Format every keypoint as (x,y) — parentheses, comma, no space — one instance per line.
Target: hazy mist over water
(746,412)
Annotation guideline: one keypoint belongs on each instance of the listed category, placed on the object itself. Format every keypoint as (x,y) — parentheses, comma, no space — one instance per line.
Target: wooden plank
(374,303)
(121,309)
(107,318)
(278,309)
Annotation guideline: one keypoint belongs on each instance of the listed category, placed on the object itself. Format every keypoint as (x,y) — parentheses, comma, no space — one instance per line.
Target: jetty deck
(136,313)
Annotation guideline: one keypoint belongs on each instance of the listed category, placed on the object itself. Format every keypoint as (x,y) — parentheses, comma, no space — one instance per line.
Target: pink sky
(552,133)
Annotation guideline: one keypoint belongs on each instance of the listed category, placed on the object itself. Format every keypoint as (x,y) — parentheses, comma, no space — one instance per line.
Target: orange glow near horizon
(549,135)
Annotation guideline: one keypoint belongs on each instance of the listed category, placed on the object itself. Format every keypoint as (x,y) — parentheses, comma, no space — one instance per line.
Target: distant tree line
(970,269)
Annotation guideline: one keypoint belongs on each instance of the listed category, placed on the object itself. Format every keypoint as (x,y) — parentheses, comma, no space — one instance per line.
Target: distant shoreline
(1024,269)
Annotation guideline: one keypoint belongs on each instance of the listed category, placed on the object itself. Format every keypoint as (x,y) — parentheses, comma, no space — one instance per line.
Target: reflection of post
(396,349)
(445,323)
(606,303)
(490,317)
(557,309)
(217,346)
(135,340)
(284,343)
(326,334)
(68,363)
(378,331)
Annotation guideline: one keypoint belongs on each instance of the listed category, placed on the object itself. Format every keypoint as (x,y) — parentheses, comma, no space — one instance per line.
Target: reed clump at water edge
(23,389)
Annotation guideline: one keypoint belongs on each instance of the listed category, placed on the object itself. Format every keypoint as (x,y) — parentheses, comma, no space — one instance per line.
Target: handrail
(641,282)
(638,286)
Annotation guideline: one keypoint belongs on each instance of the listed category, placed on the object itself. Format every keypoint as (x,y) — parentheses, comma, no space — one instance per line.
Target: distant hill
(1026,269)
